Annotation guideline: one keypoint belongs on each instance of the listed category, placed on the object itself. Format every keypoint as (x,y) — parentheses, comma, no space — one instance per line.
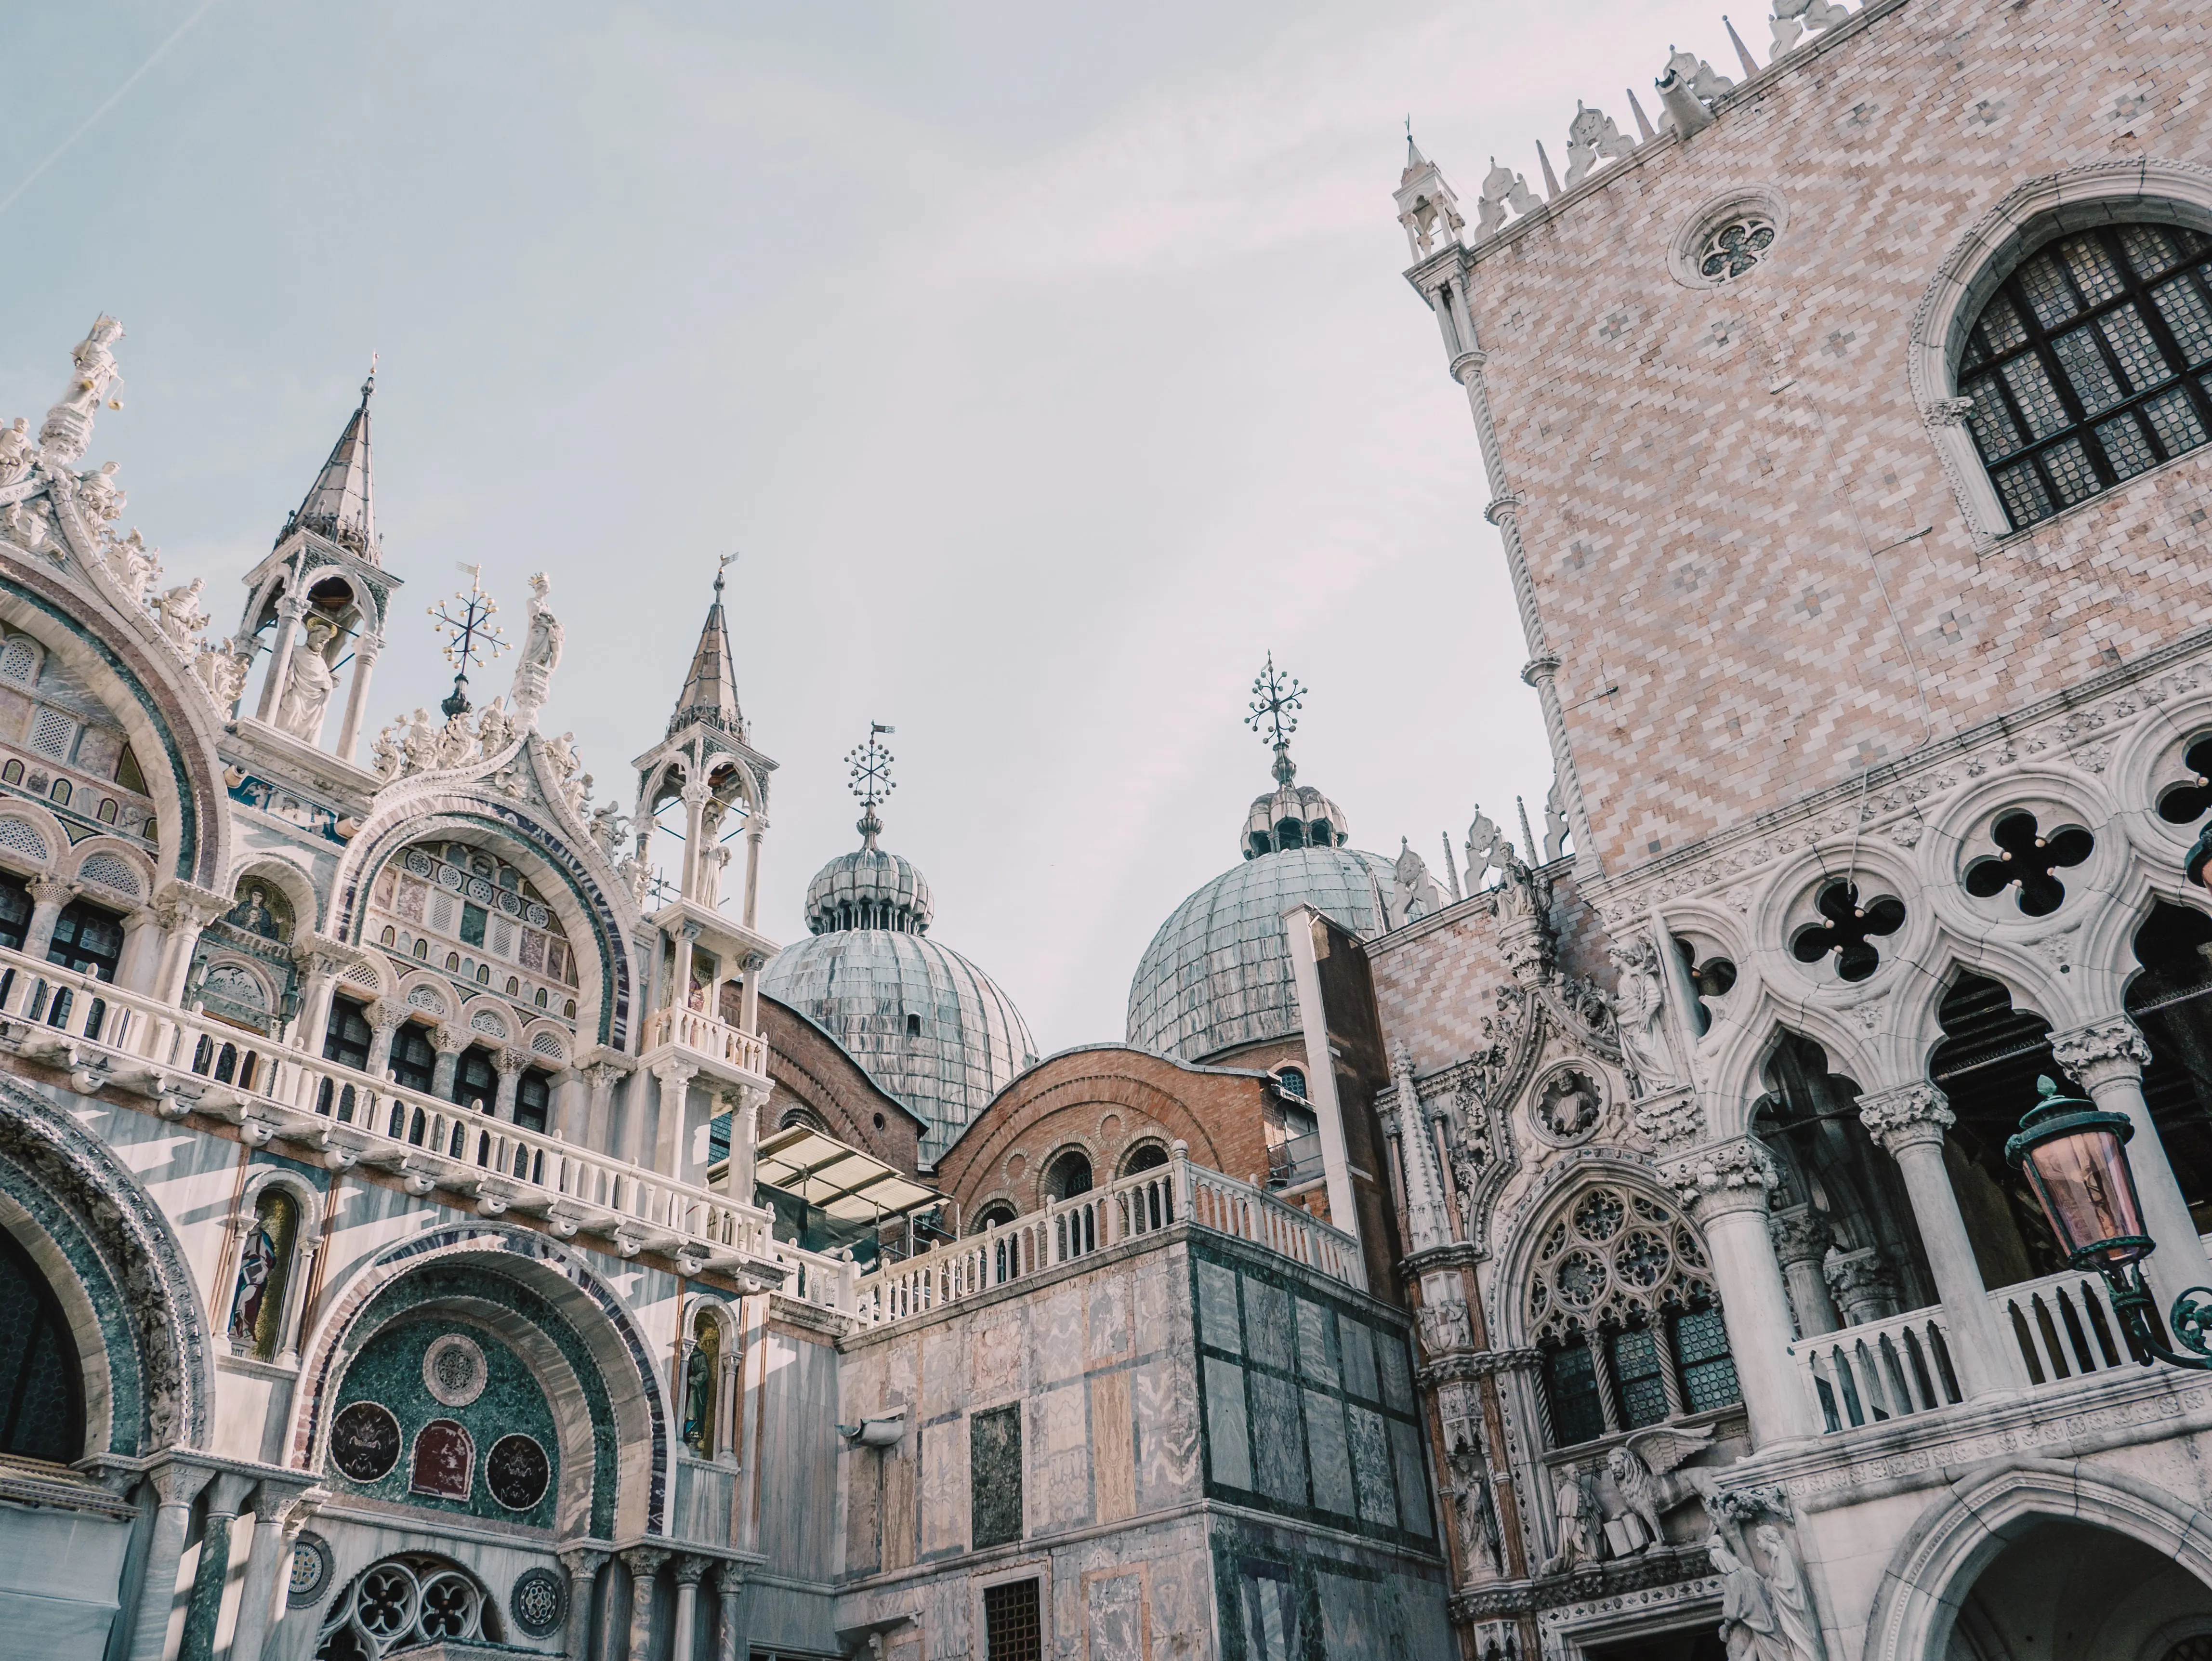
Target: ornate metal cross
(471,638)
(1276,699)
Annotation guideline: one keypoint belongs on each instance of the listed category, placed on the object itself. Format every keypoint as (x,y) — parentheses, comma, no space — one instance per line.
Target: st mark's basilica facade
(427,1230)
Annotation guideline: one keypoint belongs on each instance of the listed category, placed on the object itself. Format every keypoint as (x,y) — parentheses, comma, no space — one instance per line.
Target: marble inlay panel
(997,1359)
(1058,1324)
(1113,1616)
(1225,1436)
(1166,1433)
(1371,1465)
(1358,1351)
(1333,1488)
(944,1507)
(1315,1360)
(1412,1477)
(1277,1440)
(1109,1316)
(1270,1308)
(1216,1307)
(1113,1447)
(994,1448)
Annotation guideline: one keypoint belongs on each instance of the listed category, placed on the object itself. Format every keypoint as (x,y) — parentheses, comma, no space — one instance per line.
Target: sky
(1047,368)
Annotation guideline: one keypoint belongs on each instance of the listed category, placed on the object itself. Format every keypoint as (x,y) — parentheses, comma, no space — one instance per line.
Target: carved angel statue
(99,499)
(609,825)
(420,743)
(309,682)
(495,732)
(562,752)
(636,874)
(539,657)
(1639,1008)
(135,567)
(17,451)
(456,743)
(92,368)
(580,793)
(1574,1500)
(179,611)
(1642,1470)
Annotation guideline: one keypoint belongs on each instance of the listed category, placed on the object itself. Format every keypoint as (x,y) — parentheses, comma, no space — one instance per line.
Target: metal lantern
(2199,855)
(2075,1157)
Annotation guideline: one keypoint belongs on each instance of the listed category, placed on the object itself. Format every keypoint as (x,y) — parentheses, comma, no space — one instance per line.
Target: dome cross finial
(870,781)
(1276,700)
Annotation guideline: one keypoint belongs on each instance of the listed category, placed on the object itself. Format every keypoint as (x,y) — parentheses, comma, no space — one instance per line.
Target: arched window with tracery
(405,1601)
(2090,363)
(1619,1300)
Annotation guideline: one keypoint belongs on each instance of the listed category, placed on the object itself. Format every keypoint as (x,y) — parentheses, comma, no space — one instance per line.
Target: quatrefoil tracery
(1849,929)
(2185,802)
(2027,860)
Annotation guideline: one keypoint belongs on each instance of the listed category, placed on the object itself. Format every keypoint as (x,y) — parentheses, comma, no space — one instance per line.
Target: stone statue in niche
(1785,1591)
(539,657)
(1474,1506)
(307,688)
(1570,1106)
(1639,1008)
(698,1386)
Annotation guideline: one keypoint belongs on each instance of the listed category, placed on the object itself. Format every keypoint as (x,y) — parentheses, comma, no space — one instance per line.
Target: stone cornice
(1661,1565)
(1470,1365)
(1457,1253)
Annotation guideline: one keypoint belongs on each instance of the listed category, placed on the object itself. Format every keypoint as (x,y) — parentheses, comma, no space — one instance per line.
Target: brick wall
(1719,484)
(811,1072)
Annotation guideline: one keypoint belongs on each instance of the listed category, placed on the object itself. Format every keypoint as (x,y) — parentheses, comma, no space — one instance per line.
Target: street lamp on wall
(2076,1158)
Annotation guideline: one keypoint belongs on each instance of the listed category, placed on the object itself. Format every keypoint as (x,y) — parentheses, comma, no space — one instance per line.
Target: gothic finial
(1276,700)
(727,561)
(870,781)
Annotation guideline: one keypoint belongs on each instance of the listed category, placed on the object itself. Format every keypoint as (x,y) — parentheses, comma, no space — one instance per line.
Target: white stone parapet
(729,1052)
(1067,1231)
(183,1063)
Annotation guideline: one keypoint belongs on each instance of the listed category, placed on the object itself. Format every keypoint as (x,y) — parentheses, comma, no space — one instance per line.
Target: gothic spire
(340,505)
(710,690)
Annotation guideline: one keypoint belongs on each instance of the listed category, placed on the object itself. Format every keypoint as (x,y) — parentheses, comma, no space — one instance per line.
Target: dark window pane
(347,1038)
(2130,338)
(2182,307)
(87,940)
(1701,1353)
(1571,1382)
(533,1102)
(414,1063)
(1636,1375)
(15,912)
(41,1404)
(472,924)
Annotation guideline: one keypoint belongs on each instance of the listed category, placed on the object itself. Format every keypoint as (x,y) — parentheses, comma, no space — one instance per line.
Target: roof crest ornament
(870,779)
(1276,700)
(472,636)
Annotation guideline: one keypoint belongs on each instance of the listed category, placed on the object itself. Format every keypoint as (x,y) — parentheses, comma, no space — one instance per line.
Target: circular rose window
(518,1472)
(454,1370)
(365,1441)
(1735,247)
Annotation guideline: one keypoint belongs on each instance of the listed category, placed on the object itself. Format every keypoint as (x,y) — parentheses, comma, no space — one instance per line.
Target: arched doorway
(2066,1591)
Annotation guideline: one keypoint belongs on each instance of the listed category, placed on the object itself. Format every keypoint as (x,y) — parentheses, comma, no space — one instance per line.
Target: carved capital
(1906,1114)
(2102,1051)
(691,1568)
(583,1562)
(1800,1235)
(52,891)
(387,1016)
(450,1040)
(674,1075)
(1539,669)
(179,1484)
(1732,1176)
(1468,366)
(1947,412)
(1503,509)
(510,1062)
(644,1562)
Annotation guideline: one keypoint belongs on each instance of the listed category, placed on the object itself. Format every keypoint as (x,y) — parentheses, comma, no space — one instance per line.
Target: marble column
(365,650)
(2108,1057)
(729,1586)
(510,1062)
(184,915)
(597,1131)
(387,1019)
(49,894)
(449,1042)
(316,997)
(1802,1238)
(277,1515)
(745,1144)
(644,1564)
(582,1563)
(142,950)
(690,1570)
(288,613)
(1724,1187)
(754,829)
(1408,1126)
(175,1487)
(694,833)
(226,1495)
(749,998)
(1909,1121)
(671,1153)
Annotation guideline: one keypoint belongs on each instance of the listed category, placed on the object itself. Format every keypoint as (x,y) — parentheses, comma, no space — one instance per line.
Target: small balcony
(177,1063)
(726,1054)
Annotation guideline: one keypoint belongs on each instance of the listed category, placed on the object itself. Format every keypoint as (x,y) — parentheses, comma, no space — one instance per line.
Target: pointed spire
(1414,160)
(710,690)
(340,505)
(1742,53)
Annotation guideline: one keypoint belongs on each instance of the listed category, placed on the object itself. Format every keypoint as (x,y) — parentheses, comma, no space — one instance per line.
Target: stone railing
(714,1041)
(1879,1370)
(2064,1328)
(185,1062)
(1066,1231)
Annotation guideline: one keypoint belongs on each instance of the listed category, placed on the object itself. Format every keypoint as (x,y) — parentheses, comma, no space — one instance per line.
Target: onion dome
(926,1024)
(1218,974)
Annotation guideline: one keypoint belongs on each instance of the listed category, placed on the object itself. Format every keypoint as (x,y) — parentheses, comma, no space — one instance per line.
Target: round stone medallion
(311,1571)
(518,1472)
(365,1440)
(539,1601)
(453,1369)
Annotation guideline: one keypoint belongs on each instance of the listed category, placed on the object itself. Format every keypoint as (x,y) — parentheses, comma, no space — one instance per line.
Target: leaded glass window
(2091,364)
(1571,1383)
(1636,1375)
(1708,1370)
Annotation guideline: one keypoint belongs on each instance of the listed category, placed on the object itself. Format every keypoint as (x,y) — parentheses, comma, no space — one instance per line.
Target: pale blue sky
(1048,366)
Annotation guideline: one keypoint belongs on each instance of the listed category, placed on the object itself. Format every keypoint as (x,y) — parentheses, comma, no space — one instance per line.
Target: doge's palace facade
(1843,432)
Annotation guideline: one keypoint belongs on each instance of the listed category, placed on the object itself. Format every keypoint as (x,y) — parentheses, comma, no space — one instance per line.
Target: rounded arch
(15,850)
(1975,1518)
(1551,1197)
(2136,189)
(94,864)
(1147,1151)
(163,711)
(424,992)
(135,1305)
(570,878)
(566,1315)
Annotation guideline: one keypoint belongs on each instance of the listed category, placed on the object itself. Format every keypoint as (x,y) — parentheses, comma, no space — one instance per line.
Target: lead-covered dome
(926,1024)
